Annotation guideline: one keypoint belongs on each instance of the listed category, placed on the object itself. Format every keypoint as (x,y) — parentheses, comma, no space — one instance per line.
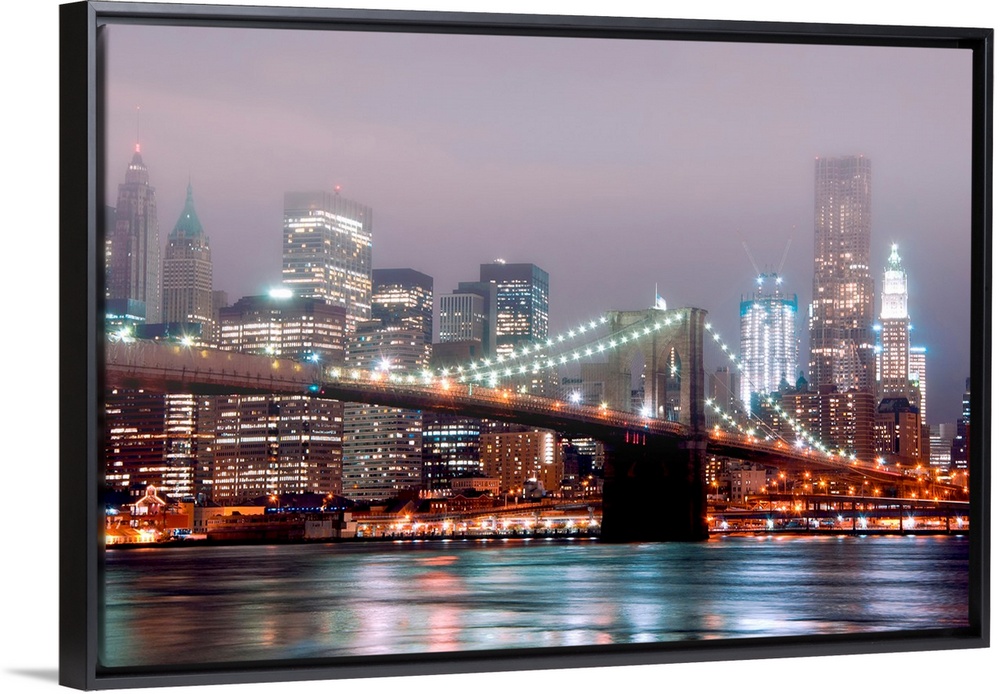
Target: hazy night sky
(615,166)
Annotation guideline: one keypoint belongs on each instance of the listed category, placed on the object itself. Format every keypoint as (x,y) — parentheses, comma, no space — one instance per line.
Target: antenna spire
(137,129)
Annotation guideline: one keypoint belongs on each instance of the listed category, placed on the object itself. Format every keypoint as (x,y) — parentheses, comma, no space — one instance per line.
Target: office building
(187,272)
(519,457)
(383,445)
(275,445)
(898,433)
(132,259)
(894,332)
(280,444)
(841,339)
(327,251)
(281,325)
(768,348)
(164,440)
(463,317)
(404,298)
(941,437)
(918,377)
(522,303)
(960,444)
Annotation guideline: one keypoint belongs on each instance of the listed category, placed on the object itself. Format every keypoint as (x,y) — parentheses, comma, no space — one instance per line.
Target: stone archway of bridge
(672,365)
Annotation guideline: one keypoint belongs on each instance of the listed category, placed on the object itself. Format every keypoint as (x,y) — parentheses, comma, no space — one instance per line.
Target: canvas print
(439,343)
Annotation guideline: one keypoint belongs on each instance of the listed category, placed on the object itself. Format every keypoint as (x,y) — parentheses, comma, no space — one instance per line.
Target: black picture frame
(81,328)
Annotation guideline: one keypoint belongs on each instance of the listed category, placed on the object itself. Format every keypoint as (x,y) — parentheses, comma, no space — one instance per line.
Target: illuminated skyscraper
(284,326)
(382,445)
(160,440)
(403,299)
(327,251)
(918,376)
(187,272)
(894,355)
(768,348)
(522,309)
(842,309)
(133,263)
(280,444)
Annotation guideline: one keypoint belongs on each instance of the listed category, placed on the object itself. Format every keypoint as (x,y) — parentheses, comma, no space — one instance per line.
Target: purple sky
(615,166)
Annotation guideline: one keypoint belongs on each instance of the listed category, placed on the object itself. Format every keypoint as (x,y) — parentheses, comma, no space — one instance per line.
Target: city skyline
(652,214)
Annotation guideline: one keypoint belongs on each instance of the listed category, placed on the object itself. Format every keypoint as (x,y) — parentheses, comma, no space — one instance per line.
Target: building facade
(404,298)
(517,457)
(918,377)
(133,258)
(522,303)
(276,445)
(768,348)
(187,272)
(383,446)
(898,434)
(327,251)
(841,336)
(280,444)
(894,331)
(285,326)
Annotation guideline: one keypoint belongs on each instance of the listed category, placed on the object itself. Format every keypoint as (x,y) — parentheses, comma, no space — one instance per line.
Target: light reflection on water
(205,604)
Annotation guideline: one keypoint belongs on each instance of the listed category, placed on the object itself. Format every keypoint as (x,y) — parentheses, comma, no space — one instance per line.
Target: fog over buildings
(618,167)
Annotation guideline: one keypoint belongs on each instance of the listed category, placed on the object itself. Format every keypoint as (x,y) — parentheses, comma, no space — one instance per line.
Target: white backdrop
(28,525)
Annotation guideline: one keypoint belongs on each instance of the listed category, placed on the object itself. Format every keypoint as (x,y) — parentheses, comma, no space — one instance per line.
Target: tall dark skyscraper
(133,264)
(842,344)
(187,272)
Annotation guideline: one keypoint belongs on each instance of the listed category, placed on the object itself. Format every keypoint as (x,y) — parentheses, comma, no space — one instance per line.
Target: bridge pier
(654,490)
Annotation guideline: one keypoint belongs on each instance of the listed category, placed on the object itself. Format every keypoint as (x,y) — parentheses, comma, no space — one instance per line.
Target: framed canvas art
(415,342)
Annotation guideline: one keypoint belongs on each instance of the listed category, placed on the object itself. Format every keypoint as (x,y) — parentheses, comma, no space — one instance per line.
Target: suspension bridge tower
(654,487)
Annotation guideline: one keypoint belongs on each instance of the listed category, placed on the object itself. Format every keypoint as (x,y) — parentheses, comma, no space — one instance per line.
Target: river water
(250,603)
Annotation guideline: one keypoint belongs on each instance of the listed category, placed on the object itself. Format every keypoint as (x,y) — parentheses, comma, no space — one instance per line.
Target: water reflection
(204,604)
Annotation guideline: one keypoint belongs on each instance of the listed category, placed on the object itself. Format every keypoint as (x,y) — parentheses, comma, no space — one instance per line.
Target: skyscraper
(187,272)
(382,445)
(290,327)
(279,444)
(403,298)
(768,348)
(894,331)
(918,377)
(133,265)
(327,251)
(463,317)
(960,444)
(466,332)
(522,310)
(842,309)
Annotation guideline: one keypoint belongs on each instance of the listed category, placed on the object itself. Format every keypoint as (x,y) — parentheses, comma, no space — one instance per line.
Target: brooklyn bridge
(654,482)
